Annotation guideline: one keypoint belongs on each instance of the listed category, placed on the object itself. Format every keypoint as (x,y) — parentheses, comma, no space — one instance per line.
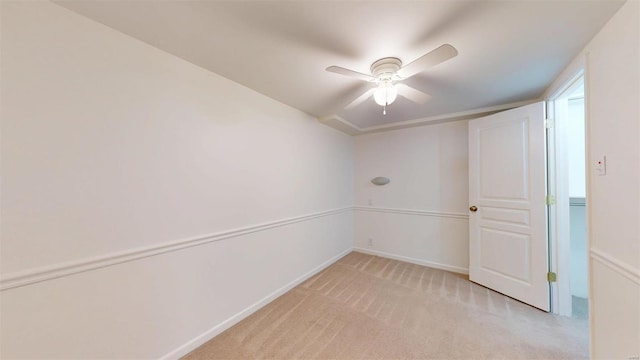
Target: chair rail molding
(31,276)
(616,265)
(412,212)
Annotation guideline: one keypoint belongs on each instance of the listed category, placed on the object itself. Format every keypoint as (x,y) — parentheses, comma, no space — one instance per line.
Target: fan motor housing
(385,68)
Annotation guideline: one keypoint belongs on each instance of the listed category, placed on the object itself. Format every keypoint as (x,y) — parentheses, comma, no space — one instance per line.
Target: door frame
(558,221)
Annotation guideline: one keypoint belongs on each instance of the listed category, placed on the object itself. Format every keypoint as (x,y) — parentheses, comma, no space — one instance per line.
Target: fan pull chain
(384,109)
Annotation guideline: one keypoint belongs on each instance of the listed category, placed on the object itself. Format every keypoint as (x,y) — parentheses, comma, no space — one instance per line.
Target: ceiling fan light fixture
(385,94)
(388,70)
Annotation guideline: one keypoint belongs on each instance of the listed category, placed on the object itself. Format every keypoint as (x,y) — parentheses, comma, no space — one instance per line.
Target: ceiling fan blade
(350,73)
(433,58)
(412,94)
(360,99)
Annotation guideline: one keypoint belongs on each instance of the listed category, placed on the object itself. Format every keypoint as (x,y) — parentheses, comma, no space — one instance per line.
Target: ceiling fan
(388,72)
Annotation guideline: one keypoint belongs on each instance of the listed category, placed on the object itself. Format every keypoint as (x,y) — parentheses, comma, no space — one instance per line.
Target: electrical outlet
(370,242)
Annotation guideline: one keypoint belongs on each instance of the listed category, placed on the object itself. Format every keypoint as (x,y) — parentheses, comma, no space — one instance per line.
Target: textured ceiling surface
(509,51)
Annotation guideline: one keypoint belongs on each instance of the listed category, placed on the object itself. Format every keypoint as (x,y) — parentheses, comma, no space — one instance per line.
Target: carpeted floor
(367,307)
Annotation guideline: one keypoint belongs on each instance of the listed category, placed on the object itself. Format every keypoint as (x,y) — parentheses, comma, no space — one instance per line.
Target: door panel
(496,243)
(508,242)
(504,146)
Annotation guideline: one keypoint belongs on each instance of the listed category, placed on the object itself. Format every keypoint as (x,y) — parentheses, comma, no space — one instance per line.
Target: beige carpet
(367,307)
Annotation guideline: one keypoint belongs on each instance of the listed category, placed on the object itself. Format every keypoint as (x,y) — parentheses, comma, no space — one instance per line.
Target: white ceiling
(509,51)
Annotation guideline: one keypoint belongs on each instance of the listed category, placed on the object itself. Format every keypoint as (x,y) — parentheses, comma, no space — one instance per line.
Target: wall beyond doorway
(577,193)
(421,215)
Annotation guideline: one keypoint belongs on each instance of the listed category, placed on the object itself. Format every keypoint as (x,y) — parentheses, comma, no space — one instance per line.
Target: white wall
(421,215)
(146,195)
(575,147)
(612,92)
(613,75)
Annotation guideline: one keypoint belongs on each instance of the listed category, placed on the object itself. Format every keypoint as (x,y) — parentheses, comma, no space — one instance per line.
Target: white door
(507,190)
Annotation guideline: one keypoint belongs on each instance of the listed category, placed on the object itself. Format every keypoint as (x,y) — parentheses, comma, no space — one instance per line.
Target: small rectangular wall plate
(600,166)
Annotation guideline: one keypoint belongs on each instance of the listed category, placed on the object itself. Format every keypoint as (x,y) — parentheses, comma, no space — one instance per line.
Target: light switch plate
(600,165)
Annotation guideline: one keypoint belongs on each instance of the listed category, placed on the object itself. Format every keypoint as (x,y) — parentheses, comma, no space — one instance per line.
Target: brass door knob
(473,208)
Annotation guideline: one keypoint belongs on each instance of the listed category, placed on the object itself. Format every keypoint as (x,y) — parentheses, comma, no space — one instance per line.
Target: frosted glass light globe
(385,94)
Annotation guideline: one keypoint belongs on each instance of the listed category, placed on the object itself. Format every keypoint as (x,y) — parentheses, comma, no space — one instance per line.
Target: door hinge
(548,123)
(551,276)
(550,200)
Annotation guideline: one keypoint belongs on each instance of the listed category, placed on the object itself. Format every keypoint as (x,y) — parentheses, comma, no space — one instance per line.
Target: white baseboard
(211,333)
(452,268)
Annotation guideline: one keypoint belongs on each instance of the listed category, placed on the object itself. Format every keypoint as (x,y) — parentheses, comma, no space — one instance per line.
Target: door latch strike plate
(551,276)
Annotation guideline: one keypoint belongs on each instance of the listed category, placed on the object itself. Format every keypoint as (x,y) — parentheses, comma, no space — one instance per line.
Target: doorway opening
(568,242)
